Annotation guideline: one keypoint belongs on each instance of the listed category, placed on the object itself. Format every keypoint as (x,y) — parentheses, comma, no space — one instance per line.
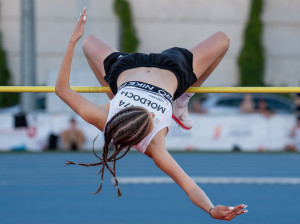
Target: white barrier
(245,132)
(224,133)
(40,126)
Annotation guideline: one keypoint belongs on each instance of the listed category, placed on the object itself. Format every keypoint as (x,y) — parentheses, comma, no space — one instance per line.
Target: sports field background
(38,188)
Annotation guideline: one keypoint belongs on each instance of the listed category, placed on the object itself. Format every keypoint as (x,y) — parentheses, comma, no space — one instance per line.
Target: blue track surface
(37,188)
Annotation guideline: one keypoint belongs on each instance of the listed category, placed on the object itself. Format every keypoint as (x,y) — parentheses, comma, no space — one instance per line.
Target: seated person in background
(73,137)
(262,108)
(197,108)
(295,135)
(297,102)
(247,105)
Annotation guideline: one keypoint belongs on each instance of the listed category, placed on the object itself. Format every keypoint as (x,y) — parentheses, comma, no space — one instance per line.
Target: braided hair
(125,129)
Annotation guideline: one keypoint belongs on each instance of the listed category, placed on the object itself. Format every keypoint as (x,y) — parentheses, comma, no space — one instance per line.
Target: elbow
(61,88)
(58,90)
(192,191)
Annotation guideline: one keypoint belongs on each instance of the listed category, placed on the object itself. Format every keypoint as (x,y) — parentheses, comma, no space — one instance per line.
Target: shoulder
(157,145)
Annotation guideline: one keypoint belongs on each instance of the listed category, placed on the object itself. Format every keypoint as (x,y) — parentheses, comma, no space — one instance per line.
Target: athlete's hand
(79,28)
(227,213)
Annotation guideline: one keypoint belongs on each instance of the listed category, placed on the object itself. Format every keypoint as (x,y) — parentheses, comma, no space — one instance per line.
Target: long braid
(126,128)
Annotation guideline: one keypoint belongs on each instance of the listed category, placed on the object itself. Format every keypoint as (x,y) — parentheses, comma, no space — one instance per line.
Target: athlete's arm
(87,110)
(161,157)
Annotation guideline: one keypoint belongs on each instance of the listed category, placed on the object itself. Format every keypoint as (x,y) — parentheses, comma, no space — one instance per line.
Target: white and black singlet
(153,98)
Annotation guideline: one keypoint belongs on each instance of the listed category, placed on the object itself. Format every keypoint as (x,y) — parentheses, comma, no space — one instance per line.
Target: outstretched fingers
(232,212)
(239,209)
(227,212)
(83,15)
(79,28)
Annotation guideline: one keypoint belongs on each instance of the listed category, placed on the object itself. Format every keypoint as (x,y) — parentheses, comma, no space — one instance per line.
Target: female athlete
(141,103)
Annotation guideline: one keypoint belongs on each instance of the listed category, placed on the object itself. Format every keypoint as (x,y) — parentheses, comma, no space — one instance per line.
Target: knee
(88,42)
(224,39)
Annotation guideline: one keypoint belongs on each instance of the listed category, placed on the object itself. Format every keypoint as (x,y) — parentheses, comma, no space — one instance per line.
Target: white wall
(55,20)
(166,23)
(282,42)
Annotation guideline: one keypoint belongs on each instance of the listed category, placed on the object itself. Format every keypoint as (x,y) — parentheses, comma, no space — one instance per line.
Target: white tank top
(153,98)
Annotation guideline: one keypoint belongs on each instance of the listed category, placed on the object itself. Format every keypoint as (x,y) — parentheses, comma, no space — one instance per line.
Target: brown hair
(125,129)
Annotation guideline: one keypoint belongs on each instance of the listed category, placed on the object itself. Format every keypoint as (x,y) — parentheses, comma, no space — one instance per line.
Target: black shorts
(177,60)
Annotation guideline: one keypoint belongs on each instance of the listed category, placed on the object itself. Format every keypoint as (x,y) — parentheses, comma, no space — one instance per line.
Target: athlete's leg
(96,50)
(206,57)
(208,54)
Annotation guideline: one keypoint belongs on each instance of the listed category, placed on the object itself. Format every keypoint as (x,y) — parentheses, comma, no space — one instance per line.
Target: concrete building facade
(160,24)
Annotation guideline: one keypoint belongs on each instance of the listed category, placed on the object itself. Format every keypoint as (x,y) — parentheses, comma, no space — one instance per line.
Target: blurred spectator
(52,141)
(262,108)
(197,108)
(295,135)
(73,137)
(247,105)
(297,102)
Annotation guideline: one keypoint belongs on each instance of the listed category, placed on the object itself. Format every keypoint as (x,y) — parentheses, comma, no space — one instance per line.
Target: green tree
(6,99)
(128,38)
(251,59)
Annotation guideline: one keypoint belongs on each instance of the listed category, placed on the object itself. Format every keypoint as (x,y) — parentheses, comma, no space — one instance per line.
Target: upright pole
(28,56)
